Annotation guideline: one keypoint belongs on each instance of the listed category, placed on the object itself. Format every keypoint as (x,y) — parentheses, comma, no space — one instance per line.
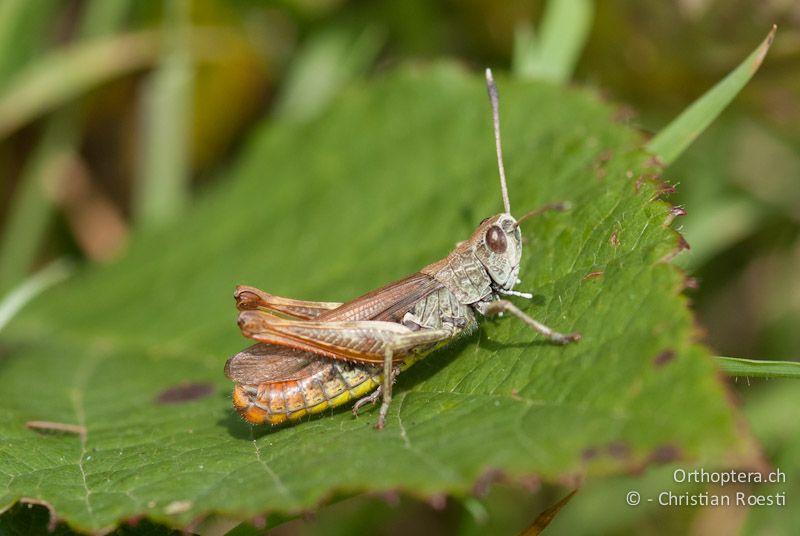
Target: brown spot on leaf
(134,521)
(655,161)
(438,501)
(184,392)
(619,450)
(664,357)
(572,479)
(678,211)
(485,481)
(674,212)
(390,497)
(623,114)
(589,453)
(614,239)
(592,275)
(681,245)
(599,165)
(691,283)
(531,482)
(662,187)
(665,454)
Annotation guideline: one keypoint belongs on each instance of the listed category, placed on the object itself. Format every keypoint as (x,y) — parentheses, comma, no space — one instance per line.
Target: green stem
(735,366)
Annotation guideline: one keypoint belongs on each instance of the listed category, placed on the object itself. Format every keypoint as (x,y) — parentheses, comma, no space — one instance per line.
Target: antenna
(493,98)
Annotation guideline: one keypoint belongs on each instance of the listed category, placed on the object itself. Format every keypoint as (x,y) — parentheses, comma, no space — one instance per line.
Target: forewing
(267,363)
(355,331)
(389,303)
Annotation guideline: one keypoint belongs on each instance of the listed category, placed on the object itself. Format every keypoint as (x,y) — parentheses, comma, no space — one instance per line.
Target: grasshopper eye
(496,239)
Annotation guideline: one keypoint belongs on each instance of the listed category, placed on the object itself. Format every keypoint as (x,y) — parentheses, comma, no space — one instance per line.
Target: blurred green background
(115,114)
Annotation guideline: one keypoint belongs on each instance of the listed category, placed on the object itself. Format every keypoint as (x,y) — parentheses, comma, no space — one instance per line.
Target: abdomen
(335,384)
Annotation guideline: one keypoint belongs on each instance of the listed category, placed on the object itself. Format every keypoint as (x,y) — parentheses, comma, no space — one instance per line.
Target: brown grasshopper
(317,355)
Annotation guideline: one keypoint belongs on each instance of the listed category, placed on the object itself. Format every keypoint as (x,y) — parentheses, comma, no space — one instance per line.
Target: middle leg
(388,379)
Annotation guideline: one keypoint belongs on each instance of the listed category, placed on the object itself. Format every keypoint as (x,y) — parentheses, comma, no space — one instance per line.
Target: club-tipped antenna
(494,99)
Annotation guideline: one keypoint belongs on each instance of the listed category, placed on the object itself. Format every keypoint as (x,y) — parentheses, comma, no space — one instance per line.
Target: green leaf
(757,368)
(682,131)
(388,180)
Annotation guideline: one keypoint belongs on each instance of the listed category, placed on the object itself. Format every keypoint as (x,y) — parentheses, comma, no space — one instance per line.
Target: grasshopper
(316,355)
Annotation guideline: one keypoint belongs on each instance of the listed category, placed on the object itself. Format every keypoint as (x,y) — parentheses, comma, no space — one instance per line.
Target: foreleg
(505,306)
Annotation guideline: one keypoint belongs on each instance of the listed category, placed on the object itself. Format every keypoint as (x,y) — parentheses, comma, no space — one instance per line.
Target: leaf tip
(764,48)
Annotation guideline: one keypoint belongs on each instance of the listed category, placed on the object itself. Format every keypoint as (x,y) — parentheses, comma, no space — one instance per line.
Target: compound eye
(496,239)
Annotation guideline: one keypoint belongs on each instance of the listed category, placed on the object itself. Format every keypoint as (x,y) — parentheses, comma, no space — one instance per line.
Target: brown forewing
(389,303)
(267,363)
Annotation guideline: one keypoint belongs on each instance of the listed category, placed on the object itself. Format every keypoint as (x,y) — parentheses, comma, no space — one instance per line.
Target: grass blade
(756,368)
(65,74)
(682,131)
(24,27)
(101,17)
(31,211)
(545,518)
(552,56)
(324,66)
(162,180)
(15,300)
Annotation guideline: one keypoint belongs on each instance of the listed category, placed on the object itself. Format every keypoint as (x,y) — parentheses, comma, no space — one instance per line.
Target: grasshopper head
(498,246)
